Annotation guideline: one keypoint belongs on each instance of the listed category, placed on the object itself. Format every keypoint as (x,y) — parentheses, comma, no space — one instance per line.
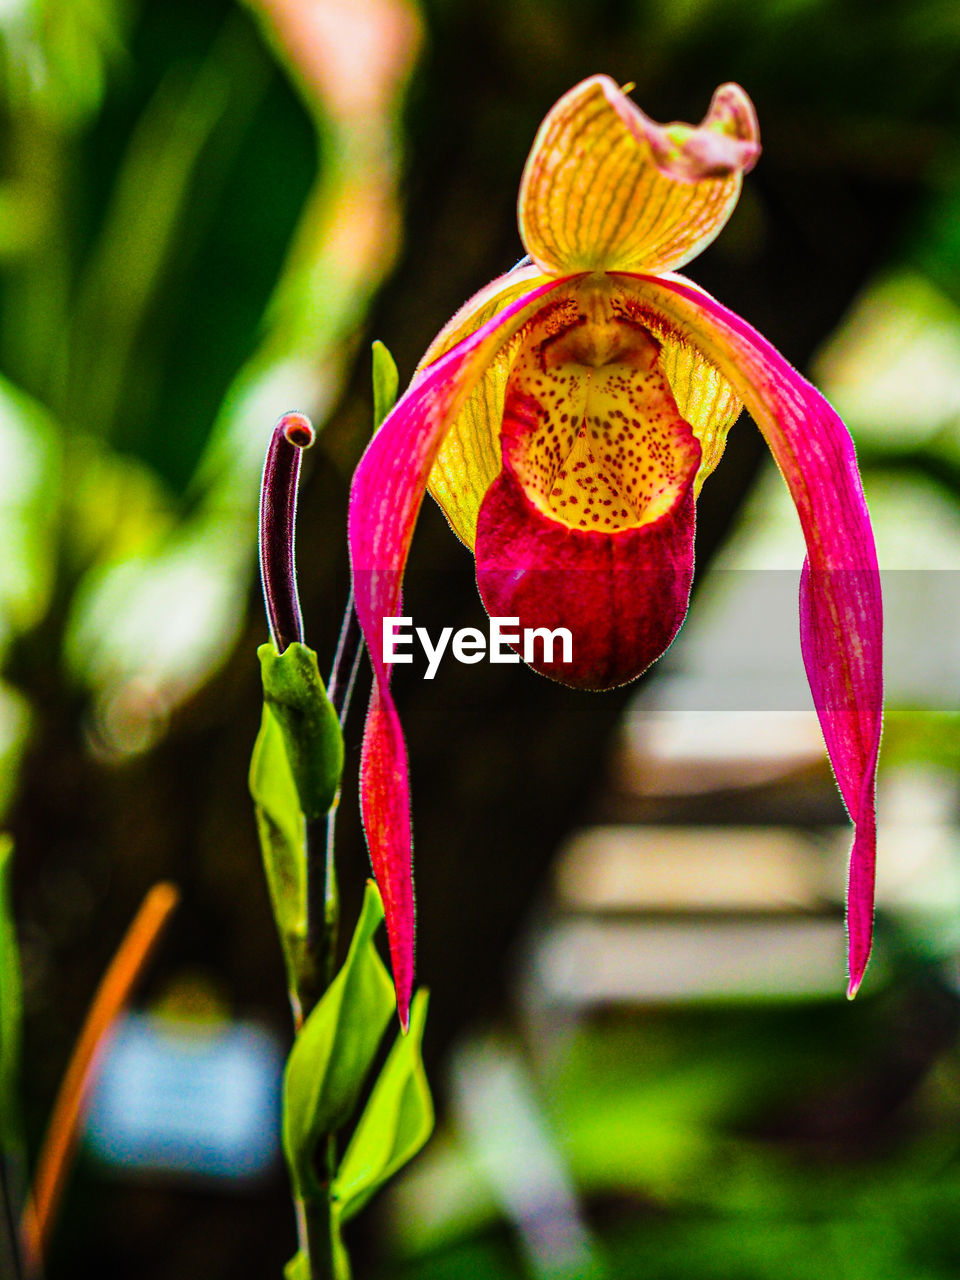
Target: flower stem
(346,663)
(323,894)
(323,907)
(319,1239)
(317,1229)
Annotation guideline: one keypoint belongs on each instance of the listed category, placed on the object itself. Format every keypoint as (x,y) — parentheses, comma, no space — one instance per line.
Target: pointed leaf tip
(336,1048)
(386,382)
(396,1122)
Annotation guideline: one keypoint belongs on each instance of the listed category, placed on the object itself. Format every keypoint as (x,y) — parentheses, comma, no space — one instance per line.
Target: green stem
(319,1235)
(323,910)
(323,894)
(320,1229)
(331,897)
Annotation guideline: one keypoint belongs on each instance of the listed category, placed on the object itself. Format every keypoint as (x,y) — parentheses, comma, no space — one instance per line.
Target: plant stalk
(317,1228)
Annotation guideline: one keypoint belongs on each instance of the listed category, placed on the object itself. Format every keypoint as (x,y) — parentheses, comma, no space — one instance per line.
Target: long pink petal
(385,498)
(840,607)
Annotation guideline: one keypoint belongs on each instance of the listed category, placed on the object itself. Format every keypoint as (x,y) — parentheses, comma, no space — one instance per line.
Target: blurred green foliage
(719,1142)
(193,221)
(171,275)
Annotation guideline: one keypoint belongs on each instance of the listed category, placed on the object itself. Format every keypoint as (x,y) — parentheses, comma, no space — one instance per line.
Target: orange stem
(63,1132)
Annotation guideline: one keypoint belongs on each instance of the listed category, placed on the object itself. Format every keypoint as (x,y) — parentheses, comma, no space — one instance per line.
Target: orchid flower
(565,420)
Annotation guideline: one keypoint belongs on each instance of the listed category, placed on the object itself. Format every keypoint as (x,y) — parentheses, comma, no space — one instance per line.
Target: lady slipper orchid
(565,420)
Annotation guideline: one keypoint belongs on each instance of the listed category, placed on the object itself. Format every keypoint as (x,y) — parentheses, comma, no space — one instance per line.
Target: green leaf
(386,383)
(294,692)
(10,1008)
(395,1124)
(282,842)
(334,1052)
(30,491)
(298,1268)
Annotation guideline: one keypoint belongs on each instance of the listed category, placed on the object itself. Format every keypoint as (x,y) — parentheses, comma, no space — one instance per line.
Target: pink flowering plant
(339,1153)
(565,420)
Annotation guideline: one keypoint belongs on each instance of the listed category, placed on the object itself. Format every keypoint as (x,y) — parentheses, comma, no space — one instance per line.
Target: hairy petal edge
(841,618)
(387,490)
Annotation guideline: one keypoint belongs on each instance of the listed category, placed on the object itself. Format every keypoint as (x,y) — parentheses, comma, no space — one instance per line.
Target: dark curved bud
(278,513)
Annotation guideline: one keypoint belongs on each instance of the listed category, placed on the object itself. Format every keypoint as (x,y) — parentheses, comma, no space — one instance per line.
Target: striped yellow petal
(704,396)
(606,188)
(483,306)
(469,459)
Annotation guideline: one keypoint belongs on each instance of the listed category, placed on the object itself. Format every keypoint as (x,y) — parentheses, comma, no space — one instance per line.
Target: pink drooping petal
(851,729)
(385,801)
(386,494)
(840,606)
